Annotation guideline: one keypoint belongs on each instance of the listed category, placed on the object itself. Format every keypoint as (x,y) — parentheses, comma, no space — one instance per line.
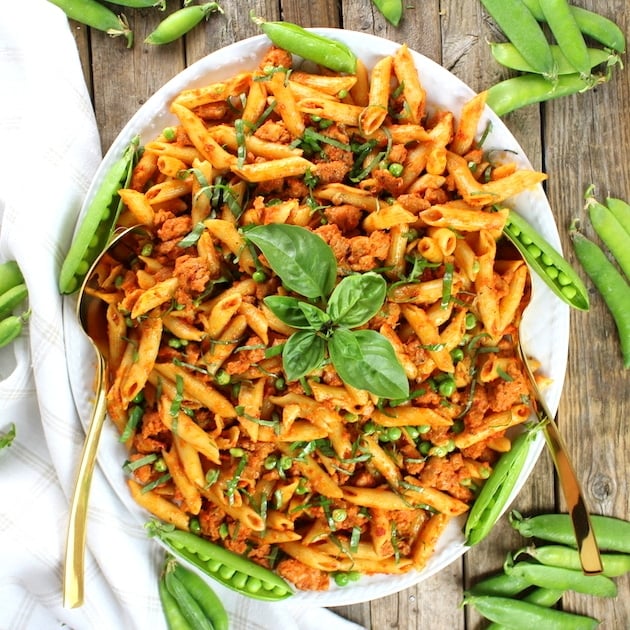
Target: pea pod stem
(512,94)
(611,285)
(613,534)
(324,51)
(547,262)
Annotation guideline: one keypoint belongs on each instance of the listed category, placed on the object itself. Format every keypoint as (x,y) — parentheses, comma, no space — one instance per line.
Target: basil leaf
(303,352)
(288,310)
(366,360)
(302,260)
(356,299)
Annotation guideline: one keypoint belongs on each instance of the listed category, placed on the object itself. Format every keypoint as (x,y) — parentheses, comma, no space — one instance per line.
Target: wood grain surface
(578,141)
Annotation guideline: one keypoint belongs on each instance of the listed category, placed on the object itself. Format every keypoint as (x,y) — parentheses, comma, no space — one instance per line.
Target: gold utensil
(587,544)
(90,312)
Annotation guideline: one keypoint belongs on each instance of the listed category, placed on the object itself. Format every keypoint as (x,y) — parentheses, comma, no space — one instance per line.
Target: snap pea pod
(140,4)
(10,275)
(595,25)
(391,10)
(613,534)
(540,596)
(500,584)
(611,285)
(547,262)
(180,22)
(228,568)
(615,564)
(324,51)
(567,33)
(190,608)
(562,578)
(97,223)
(175,619)
(207,599)
(620,210)
(11,328)
(97,16)
(507,55)
(520,27)
(495,492)
(511,94)
(608,228)
(12,298)
(521,615)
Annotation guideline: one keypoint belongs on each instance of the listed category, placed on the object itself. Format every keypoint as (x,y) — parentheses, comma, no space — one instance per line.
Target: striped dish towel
(49,149)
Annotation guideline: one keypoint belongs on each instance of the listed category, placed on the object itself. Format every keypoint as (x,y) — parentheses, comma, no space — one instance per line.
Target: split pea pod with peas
(546,262)
(230,569)
(97,223)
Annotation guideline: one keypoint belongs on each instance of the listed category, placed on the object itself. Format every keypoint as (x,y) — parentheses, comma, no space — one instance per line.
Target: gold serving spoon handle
(584,534)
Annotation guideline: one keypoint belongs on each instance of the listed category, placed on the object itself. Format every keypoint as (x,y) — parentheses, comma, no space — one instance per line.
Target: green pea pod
(613,534)
(181,22)
(611,285)
(324,51)
(97,223)
(189,607)
(547,262)
(140,4)
(391,10)
(497,489)
(620,210)
(615,564)
(506,96)
(521,615)
(228,568)
(520,27)
(595,25)
(173,615)
(10,275)
(562,578)
(12,298)
(612,233)
(207,599)
(567,33)
(507,55)
(500,584)
(540,596)
(11,328)
(97,16)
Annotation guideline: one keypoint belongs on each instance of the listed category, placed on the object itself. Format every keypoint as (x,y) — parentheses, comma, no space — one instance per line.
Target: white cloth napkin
(49,149)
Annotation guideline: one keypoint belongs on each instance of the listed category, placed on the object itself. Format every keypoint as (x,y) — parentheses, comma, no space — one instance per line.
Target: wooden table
(577,140)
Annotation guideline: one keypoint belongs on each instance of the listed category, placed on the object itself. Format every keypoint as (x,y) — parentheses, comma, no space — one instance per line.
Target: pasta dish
(323,407)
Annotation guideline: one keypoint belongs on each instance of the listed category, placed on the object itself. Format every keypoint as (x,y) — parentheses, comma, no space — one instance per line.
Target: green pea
(447,387)
(457,354)
(394,433)
(396,169)
(259,276)
(181,22)
(470,321)
(341,579)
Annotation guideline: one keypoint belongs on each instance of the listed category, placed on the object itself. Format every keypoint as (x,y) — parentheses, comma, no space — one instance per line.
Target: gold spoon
(584,535)
(90,313)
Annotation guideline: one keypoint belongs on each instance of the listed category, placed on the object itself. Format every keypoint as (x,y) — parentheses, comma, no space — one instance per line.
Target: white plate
(545,331)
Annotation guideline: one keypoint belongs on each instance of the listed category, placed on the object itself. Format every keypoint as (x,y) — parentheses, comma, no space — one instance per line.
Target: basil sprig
(364,358)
